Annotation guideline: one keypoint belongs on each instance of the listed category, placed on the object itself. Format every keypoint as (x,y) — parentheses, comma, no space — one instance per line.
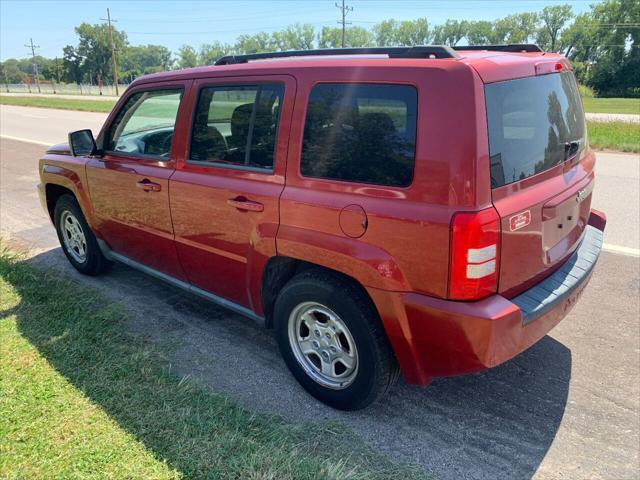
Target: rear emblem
(520,220)
(582,194)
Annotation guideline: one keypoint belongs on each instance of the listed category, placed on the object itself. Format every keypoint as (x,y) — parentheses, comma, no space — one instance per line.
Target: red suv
(423,210)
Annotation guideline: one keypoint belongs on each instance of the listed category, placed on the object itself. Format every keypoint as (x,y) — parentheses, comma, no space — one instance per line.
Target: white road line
(619,249)
(28,140)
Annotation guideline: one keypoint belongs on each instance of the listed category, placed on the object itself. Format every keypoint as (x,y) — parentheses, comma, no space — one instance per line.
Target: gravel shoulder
(613,117)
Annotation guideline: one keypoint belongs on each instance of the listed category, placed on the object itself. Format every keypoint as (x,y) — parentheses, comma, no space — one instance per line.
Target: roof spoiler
(512,47)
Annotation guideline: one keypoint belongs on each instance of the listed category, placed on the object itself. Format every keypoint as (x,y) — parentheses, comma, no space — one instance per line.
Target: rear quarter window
(363,133)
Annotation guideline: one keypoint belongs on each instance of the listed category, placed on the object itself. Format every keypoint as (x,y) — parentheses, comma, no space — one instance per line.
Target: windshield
(534,123)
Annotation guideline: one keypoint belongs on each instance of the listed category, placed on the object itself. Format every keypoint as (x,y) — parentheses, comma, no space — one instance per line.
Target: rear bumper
(434,337)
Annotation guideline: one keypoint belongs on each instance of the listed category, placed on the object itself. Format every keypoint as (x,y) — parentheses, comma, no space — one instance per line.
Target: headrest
(376,123)
(240,118)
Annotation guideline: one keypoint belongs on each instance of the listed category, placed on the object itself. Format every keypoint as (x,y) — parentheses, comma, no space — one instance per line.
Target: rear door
(224,197)
(541,173)
(129,184)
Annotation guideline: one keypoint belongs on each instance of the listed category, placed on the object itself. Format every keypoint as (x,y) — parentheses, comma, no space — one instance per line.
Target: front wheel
(332,340)
(76,238)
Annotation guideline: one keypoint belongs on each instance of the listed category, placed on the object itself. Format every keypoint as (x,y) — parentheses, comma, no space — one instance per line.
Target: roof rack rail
(512,47)
(426,51)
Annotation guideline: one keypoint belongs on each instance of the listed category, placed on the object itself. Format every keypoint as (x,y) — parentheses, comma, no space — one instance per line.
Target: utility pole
(57,75)
(344,9)
(114,61)
(35,64)
(57,70)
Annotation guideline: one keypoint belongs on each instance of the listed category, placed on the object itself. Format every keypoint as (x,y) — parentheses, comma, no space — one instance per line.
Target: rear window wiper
(571,148)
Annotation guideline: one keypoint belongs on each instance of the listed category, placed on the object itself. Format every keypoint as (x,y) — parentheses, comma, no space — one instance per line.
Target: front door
(129,184)
(224,197)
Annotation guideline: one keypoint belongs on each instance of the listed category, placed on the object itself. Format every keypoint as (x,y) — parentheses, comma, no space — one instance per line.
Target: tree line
(603,45)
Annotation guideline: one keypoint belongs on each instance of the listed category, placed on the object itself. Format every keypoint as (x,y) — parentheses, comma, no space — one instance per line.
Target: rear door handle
(241,203)
(149,186)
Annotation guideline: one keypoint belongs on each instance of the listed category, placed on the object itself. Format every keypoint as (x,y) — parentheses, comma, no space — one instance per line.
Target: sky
(175,23)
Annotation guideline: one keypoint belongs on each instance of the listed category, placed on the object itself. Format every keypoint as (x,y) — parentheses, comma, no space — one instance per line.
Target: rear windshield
(534,123)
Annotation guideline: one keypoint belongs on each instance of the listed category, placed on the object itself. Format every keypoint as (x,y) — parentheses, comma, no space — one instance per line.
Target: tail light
(475,242)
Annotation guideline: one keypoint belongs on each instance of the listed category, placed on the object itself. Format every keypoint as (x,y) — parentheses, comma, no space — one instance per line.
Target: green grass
(621,136)
(611,105)
(82,104)
(82,398)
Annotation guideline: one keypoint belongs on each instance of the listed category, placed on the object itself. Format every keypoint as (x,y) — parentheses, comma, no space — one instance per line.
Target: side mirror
(82,143)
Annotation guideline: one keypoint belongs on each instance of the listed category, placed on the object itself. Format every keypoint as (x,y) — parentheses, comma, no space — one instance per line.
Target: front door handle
(149,186)
(241,203)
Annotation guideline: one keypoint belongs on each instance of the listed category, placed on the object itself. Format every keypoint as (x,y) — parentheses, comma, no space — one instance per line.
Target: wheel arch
(280,269)
(59,180)
(53,192)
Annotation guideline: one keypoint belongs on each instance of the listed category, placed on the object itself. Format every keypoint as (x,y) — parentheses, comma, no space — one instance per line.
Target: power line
(35,64)
(222,19)
(315,24)
(114,60)
(344,10)
(191,32)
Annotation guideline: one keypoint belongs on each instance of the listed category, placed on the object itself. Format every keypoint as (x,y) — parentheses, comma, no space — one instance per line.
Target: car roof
(490,65)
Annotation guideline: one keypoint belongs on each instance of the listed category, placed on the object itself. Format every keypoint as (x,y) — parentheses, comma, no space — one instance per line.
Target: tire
(76,238)
(359,364)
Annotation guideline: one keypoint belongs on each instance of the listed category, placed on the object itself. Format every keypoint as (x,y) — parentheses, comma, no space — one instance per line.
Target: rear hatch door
(541,174)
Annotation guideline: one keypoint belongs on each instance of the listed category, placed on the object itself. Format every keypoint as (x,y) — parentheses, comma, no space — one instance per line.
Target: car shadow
(495,424)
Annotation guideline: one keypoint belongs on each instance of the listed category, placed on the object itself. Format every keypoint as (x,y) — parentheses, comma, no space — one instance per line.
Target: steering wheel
(166,145)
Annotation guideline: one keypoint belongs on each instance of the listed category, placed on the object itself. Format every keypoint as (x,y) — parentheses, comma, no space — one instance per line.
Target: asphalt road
(566,408)
(46,126)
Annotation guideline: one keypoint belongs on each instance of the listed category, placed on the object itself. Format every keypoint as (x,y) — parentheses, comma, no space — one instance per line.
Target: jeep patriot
(415,210)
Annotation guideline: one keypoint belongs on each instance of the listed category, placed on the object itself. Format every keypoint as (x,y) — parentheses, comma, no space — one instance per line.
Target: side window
(237,125)
(145,124)
(361,133)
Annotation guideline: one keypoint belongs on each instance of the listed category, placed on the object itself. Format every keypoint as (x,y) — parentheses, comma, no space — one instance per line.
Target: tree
(143,59)
(503,28)
(95,50)
(11,72)
(405,33)
(331,37)
(187,57)
(385,33)
(578,40)
(605,45)
(49,68)
(294,37)
(451,32)
(525,26)
(413,32)
(71,65)
(554,19)
(260,42)
(480,33)
(210,52)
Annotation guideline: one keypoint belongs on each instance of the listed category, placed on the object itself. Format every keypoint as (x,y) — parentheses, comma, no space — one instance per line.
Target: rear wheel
(332,340)
(76,238)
